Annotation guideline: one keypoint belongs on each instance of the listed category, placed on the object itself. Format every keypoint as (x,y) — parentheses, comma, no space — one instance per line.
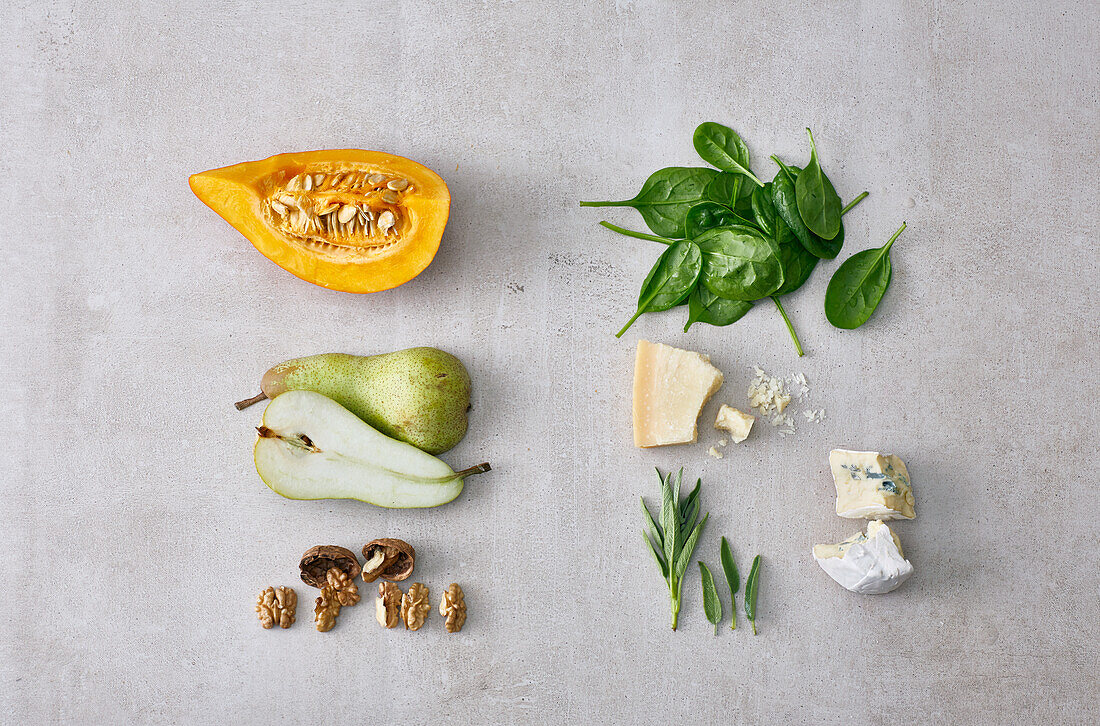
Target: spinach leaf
(733,580)
(786,206)
(739,263)
(706,307)
(763,210)
(858,285)
(724,189)
(797,262)
(712,606)
(708,215)
(666,197)
(670,281)
(818,203)
(721,146)
(751,586)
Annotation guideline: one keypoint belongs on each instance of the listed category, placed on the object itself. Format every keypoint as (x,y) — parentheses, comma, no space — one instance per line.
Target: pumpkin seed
(278,208)
(389,197)
(347,213)
(317,179)
(307,182)
(398,184)
(386,220)
(376,178)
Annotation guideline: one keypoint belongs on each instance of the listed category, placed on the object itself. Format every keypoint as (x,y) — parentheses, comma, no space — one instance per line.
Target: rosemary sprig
(667,541)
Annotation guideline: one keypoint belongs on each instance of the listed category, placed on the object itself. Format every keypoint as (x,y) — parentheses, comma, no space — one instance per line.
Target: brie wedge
(870,485)
(870,564)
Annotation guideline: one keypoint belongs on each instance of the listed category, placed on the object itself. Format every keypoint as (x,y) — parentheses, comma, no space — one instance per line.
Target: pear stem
(479,469)
(242,405)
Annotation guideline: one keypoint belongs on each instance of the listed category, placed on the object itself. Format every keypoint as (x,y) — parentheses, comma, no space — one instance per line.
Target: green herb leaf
(666,197)
(706,307)
(733,579)
(858,285)
(712,606)
(691,500)
(720,146)
(656,556)
(710,215)
(670,281)
(689,547)
(739,263)
(670,523)
(796,260)
(656,529)
(818,203)
(751,586)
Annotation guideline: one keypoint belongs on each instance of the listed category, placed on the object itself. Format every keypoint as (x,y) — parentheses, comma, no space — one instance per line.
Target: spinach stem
(636,235)
(790,328)
(641,309)
(625,203)
(851,205)
(890,244)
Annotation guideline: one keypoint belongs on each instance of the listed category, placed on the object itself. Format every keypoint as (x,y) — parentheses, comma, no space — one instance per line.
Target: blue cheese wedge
(870,485)
(870,564)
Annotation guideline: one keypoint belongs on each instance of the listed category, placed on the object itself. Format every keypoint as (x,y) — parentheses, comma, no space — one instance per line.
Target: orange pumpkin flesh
(345,219)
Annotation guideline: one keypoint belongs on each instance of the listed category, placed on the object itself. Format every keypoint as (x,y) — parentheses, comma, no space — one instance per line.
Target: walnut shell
(397,563)
(317,561)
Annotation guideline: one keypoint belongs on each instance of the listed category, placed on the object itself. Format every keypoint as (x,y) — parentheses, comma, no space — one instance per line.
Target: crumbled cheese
(813,416)
(714,452)
(771,396)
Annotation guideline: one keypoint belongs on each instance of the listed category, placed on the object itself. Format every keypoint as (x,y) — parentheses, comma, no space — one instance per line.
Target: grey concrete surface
(136,533)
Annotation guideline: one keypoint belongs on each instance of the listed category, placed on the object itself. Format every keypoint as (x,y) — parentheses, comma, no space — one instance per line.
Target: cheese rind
(870,564)
(670,388)
(737,423)
(870,485)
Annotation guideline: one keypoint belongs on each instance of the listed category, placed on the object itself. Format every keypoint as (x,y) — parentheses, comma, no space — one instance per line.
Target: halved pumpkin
(345,219)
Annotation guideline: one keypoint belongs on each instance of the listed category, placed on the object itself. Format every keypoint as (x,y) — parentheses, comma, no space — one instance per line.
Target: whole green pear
(419,395)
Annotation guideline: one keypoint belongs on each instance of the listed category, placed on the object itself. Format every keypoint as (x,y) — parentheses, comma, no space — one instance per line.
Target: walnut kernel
(344,588)
(415,606)
(277,605)
(387,608)
(453,607)
(326,610)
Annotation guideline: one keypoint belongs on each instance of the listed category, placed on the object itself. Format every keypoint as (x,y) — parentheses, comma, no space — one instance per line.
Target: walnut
(390,559)
(317,561)
(415,606)
(453,607)
(342,586)
(277,605)
(326,610)
(388,605)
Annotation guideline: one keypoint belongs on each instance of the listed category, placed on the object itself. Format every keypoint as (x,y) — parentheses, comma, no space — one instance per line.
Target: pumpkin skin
(300,224)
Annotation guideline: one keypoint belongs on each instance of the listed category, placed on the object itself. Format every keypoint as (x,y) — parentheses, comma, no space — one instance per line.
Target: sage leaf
(818,203)
(670,551)
(706,307)
(666,197)
(712,606)
(721,147)
(739,263)
(751,586)
(689,547)
(858,285)
(670,281)
(733,579)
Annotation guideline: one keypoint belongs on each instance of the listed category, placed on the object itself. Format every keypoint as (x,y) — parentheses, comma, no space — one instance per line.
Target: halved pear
(311,447)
